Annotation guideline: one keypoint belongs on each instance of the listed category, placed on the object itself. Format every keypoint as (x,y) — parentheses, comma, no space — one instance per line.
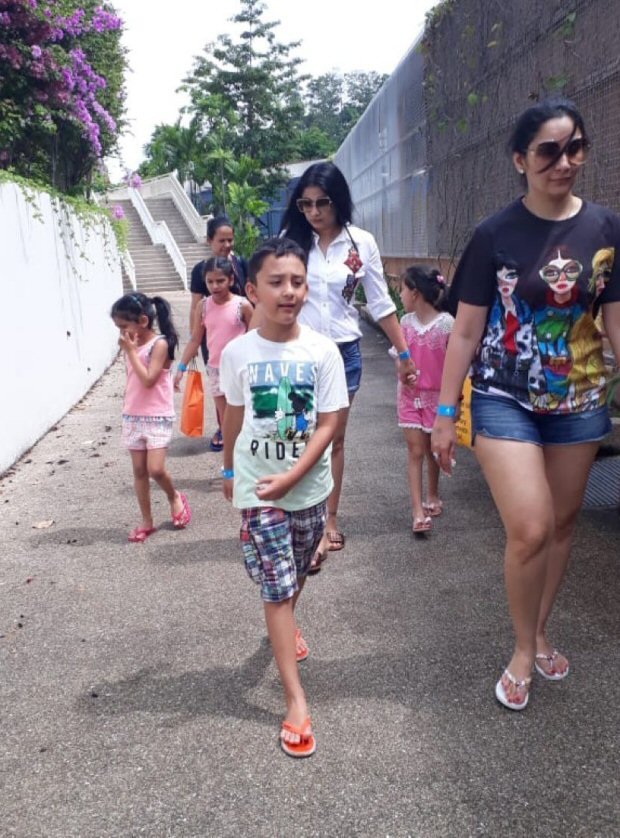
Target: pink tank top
(148,401)
(222,323)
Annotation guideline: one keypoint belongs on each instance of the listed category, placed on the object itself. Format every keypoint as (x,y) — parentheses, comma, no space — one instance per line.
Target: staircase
(155,272)
(164,209)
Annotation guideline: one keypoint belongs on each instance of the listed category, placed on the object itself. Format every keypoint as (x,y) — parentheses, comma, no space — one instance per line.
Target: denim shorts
(352,357)
(500,417)
(278,546)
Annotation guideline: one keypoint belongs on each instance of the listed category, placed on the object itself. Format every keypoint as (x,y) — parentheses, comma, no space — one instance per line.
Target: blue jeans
(352,357)
(500,417)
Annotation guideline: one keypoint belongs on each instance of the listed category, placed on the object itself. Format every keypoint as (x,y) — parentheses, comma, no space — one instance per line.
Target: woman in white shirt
(340,256)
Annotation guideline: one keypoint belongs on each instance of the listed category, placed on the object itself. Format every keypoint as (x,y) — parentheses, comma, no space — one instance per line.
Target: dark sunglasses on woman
(306,204)
(576,150)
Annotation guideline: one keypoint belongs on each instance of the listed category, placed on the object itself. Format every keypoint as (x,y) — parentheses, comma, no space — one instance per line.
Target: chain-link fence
(429,160)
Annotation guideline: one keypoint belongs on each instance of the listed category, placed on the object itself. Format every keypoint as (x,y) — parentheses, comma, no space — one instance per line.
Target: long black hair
(430,283)
(136,305)
(532,119)
(329,178)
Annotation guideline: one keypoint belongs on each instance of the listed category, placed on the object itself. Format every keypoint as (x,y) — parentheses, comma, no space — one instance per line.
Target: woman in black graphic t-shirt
(528,288)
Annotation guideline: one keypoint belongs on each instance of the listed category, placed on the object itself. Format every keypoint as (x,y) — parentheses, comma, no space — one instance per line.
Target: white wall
(58,280)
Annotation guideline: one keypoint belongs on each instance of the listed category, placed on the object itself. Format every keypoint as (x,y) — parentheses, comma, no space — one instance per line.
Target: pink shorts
(143,433)
(213,381)
(417,408)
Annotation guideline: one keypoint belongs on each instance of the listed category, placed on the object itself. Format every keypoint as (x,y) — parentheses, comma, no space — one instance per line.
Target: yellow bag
(463,423)
(193,410)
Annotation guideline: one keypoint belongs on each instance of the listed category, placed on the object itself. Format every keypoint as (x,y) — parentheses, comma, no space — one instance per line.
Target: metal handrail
(169,186)
(159,234)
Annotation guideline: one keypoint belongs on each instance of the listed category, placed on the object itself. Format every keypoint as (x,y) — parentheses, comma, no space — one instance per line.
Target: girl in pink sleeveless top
(148,409)
(223,316)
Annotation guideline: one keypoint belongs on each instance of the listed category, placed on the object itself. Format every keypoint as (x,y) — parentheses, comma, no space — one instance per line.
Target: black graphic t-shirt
(543,282)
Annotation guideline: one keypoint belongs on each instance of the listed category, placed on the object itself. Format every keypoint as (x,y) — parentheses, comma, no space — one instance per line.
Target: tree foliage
(244,95)
(251,112)
(333,104)
(61,88)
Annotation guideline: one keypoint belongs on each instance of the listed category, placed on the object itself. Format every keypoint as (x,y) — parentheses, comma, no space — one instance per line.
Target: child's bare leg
(142,486)
(156,462)
(415,459)
(337,462)
(281,629)
(433,474)
(220,407)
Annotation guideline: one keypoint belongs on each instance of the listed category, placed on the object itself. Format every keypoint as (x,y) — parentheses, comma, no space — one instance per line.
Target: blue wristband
(446,410)
(227,473)
(182,367)
(405,355)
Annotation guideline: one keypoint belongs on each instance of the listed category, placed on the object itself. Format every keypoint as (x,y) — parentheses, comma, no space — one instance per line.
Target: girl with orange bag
(224,316)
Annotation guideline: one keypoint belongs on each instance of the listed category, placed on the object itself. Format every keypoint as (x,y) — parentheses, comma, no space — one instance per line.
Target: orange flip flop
(301,647)
(307,742)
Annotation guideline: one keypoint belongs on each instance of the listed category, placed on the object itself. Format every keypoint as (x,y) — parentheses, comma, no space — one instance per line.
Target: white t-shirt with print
(282,387)
(330,305)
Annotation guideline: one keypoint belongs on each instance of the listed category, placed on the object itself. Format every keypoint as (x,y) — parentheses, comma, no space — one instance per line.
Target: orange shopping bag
(463,423)
(193,410)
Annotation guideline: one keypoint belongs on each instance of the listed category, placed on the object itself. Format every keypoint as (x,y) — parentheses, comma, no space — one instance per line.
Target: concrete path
(138,695)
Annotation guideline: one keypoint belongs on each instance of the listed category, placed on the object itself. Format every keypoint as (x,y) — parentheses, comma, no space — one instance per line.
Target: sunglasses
(576,151)
(306,204)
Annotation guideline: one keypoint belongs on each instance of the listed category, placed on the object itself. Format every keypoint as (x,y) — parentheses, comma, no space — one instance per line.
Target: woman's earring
(521,171)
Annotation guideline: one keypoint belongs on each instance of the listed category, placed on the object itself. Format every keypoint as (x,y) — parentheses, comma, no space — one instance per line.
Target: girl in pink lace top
(426,328)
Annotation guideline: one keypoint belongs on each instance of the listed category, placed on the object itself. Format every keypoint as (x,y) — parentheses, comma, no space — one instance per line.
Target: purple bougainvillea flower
(37,52)
(118,212)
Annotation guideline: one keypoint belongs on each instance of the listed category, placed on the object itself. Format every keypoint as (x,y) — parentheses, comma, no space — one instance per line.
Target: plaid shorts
(278,546)
(143,433)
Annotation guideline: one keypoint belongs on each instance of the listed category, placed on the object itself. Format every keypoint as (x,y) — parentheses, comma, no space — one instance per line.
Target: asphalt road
(138,696)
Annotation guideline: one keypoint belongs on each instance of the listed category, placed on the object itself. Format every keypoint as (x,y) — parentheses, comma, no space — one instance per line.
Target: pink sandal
(182,518)
(140,534)
(433,509)
(422,525)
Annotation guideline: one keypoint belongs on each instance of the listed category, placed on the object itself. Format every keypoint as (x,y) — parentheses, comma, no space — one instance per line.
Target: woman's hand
(407,372)
(443,443)
(177,380)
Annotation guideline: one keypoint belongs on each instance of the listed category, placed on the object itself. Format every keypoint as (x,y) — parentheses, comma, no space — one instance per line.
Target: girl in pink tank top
(148,409)
(223,316)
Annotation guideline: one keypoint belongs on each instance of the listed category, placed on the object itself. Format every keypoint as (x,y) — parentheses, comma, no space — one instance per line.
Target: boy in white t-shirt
(284,385)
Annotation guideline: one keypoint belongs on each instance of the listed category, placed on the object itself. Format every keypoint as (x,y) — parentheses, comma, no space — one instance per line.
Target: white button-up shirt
(326,310)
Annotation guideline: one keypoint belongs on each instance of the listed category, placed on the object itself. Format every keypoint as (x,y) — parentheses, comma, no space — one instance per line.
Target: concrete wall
(59,276)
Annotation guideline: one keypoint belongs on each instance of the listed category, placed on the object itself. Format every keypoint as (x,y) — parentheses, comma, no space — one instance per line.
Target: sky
(162,38)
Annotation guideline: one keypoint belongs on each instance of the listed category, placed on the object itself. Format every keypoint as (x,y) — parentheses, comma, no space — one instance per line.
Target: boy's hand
(227,488)
(272,487)
(177,380)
